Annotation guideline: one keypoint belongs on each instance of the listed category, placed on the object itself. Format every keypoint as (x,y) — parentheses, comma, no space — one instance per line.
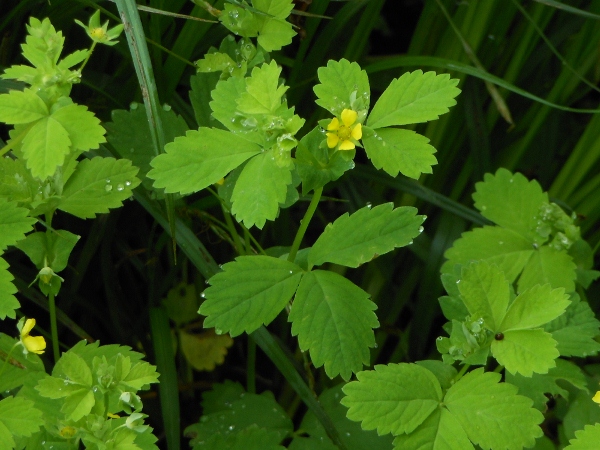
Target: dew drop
(369,205)
(108,187)
(347,434)
(203,295)
(500,242)
(231,427)
(120,187)
(108,180)
(133,106)
(127,183)
(166,107)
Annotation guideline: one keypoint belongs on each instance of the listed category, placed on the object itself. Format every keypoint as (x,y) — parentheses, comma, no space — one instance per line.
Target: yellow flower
(345,133)
(596,397)
(33,344)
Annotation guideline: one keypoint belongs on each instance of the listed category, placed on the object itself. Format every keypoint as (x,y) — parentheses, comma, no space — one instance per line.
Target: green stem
(8,357)
(499,368)
(460,374)
(251,369)
(247,241)
(53,327)
(88,56)
(304,223)
(237,242)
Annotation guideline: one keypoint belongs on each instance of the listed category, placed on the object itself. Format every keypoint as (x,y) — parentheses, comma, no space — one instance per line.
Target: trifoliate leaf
(334,319)
(415,97)
(575,331)
(45,147)
(259,190)
(500,246)
(440,430)
(20,107)
(97,185)
(224,102)
(445,373)
(586,439)
(393,398)
(20,418)
(263,93)
(199,159)
(535,307)
(205,350)
(344,85)
(485,292)
(111,352)
(491,413)
(369,232)
(351,433)
(548,265)
(8,302)
(536,386)
(83,127)
(14,223)
(511,201)
(250,292)
(526,351)
(395,150)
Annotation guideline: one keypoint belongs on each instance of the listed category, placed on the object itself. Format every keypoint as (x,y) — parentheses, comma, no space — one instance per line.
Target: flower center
(98,33)
(344,132)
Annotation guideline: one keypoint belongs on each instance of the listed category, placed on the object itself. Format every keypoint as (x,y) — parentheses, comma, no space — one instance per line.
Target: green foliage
(343,85)
(585,439)
(8,302)
(17,418)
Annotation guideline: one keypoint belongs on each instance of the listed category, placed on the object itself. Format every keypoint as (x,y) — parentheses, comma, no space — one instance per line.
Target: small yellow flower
(98,33)
(345,133)
(596,397)
(33,344)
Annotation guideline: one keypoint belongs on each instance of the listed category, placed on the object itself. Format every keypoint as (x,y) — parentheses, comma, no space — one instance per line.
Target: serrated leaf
(411,394)
(74,369)
(263,93)
(45,147)
(526,351)
(277,8)
(14,223)
(582,411)
(202,85)
(445,373)
(440,431)
(415,97)
(20,107)
(500,246)
(111,352)
(20,417)
(141,374)
(369,232)
(221,396)
(50,250)
(215,62)
(205,350)
(586,439)
(16,182)
(250,292)
(274,34)
(334,318)
(78,404)
(511,201)
(575,331)
(8,302)
(19,367)
(491,413)
(53,387)
(224,101)
(97,185)
(396,150)
(83,127)
(535,307)
(199,159)
(259,190)
(338,80)
(182,303)
(485,292)
(548,265)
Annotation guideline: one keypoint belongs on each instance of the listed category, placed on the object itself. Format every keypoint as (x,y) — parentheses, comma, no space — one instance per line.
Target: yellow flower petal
(29,324)
(333,125)
(349,116)
(34,344)
(332,140)
(596,397)
(357,131)
(347,145)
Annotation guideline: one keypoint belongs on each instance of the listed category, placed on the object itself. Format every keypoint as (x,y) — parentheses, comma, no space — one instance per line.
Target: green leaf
(83,127)
(203,84)
(14,223)
(141,374)
(45,147)
(259,190)
(586,439)
(526,351)
(535,307)
(19,107)
(78,404)
(199,159)
(263,93)
(274,34)
(53,387)
(575,331)
(73,368)
(20,418)
(445,373)
(333,318)
(441,430)
(97,185)
(492,413)
(224,102)
(511,201)
(582,411)
(395,150)
(8,302)
(410,395)
(415,97)
(20,367)
(221,396)
(538,385)
(250,438)
(341,82)
(50,250)
(277,8)
(250,292)
(485,292)
(16,182)
(548,265)
(500,246)
(353,240)
(215,62)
